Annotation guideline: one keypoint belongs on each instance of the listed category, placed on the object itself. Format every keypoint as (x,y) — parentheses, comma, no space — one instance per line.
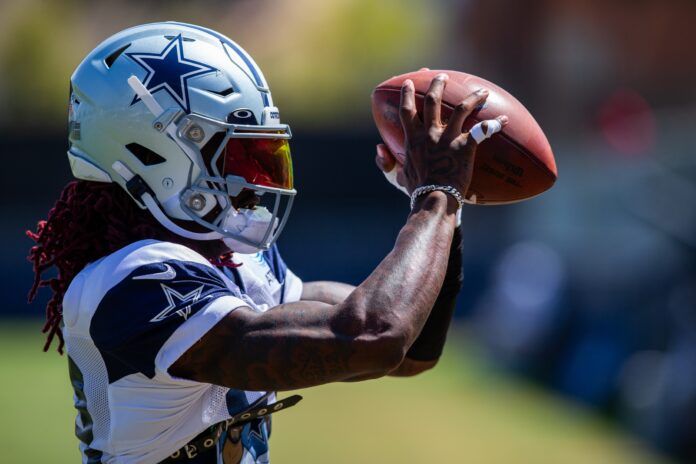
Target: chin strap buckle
(137,187)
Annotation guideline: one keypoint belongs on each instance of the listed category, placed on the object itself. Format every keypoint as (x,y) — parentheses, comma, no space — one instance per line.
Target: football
(513,165)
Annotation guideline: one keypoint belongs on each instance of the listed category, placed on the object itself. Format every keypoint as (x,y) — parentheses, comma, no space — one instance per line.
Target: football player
(179,316)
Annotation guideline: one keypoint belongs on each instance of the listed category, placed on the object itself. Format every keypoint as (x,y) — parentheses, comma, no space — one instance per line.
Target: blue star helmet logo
(170,71)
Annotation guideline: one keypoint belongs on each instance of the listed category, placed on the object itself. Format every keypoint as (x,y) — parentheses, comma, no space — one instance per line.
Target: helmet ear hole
(145,155)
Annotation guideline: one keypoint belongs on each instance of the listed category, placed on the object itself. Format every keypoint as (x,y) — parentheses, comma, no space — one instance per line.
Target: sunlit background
(575,338)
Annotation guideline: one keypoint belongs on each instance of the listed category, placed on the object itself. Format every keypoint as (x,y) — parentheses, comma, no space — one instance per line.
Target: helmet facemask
(248,158)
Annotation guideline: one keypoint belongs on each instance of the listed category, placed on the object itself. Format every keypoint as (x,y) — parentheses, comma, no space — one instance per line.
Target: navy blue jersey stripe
(136,317)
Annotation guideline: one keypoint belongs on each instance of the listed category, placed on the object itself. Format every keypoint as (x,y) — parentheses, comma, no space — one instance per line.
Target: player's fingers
(407,107)
(462,111)
(484,130)
(384,159)
(433,101)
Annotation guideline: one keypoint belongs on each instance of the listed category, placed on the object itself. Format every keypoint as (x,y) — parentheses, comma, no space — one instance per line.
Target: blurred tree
(326,58)
(321,58)
(36,66)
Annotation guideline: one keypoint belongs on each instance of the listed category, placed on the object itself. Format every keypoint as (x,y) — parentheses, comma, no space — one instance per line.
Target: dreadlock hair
(89,221)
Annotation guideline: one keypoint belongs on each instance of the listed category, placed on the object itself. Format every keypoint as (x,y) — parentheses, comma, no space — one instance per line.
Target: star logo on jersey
(256,429)
(270,277)
(178,304)
(170,71)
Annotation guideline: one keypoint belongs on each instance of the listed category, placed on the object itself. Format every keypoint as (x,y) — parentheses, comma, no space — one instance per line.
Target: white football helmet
(182,118)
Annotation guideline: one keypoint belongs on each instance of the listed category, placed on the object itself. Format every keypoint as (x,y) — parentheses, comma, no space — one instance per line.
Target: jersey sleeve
(293,287)
(291,290)
(145,322)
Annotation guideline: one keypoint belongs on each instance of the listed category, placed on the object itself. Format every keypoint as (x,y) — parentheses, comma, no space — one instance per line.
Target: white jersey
(128,317)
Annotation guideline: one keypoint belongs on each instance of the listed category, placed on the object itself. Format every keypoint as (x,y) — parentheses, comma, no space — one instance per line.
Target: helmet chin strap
(163,219)
(152,206)
(156,211)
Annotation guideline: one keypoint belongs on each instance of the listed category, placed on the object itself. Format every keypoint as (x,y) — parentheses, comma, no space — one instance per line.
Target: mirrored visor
(264,162)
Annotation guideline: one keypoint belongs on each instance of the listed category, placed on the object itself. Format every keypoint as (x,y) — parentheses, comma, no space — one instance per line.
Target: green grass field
(459,412)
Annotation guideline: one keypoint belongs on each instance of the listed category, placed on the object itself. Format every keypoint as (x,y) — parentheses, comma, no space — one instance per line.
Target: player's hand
(392,169)
(438,153)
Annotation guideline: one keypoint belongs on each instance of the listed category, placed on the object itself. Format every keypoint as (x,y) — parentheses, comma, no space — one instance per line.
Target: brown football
(513,165)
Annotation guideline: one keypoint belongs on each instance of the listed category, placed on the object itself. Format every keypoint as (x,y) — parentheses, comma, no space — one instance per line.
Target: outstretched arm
(426,350)
(428,346)
(305,343)
(326,291)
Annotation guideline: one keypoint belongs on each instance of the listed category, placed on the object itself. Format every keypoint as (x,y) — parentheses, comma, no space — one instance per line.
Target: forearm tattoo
(431,341)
